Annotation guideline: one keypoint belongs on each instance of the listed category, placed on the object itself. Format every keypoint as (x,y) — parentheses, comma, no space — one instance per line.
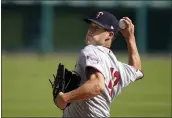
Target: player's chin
(88,40)
(88,43)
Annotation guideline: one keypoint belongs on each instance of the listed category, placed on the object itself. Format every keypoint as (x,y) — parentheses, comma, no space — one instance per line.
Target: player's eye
(96,27)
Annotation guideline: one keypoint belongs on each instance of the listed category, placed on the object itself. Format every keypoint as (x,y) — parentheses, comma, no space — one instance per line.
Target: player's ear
(111,35)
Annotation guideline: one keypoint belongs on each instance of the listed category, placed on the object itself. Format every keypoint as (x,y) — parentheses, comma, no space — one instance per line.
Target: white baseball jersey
(117,75)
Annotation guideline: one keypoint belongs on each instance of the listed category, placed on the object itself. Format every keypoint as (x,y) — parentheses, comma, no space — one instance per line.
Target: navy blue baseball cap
(106,20)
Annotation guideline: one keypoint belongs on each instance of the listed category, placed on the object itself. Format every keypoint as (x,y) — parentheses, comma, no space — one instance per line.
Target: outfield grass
(26,90)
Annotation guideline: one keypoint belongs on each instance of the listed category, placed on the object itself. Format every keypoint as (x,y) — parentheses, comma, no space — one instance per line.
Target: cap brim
(88,20)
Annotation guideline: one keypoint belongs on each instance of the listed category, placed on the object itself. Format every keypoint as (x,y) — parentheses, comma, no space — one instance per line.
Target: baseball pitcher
(99,76)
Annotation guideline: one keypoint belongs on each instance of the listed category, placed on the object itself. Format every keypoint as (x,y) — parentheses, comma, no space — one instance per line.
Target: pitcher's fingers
(127,22)
(128,19)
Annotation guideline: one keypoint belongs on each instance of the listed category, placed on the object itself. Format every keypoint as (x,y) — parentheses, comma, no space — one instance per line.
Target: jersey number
(115,74)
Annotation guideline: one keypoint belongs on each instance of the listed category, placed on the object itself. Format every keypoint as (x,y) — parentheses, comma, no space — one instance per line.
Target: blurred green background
(36,36)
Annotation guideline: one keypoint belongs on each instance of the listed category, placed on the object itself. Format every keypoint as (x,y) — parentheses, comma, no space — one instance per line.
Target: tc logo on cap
(99,14)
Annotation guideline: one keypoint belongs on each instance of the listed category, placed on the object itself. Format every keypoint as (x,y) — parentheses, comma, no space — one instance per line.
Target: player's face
(96,35)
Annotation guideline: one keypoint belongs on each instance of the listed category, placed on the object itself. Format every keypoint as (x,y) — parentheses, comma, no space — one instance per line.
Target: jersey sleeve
(129,74)
(90,58)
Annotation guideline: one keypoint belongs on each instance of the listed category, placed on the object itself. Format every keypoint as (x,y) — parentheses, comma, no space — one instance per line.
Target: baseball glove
(64,81)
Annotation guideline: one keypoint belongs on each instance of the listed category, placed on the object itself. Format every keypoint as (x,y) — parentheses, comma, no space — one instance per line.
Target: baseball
(60,93)
(122,24)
